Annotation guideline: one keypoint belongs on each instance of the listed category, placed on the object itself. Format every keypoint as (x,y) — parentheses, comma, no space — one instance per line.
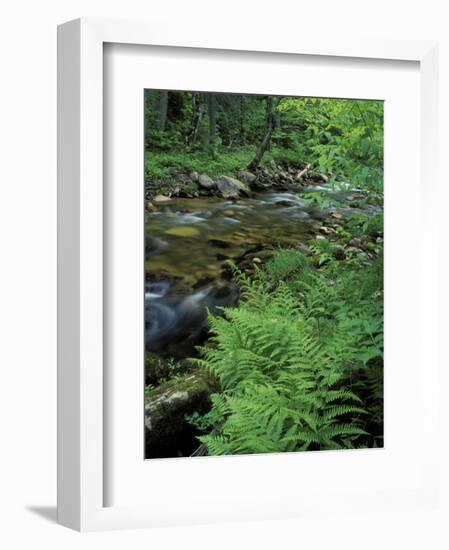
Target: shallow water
(188,243)
(190,239)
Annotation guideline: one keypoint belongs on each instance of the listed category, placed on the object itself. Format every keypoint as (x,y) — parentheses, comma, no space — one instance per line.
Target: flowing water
(189,239)
(187,245)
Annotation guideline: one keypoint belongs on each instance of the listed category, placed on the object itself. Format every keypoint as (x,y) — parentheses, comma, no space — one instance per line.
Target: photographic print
(263,296)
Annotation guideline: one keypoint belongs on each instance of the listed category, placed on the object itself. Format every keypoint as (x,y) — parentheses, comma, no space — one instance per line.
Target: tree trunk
(265,143)
(212,106)
(277,120)
(163,105)
(197,115)
(242,120)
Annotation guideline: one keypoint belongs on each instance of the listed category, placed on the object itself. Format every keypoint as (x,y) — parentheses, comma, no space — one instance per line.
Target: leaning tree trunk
(163,106)
(265,143)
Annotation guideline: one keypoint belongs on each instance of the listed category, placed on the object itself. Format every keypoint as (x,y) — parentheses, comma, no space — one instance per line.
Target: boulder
(167,432)
(194,177)
(160,198)
(206,182)
(247,177)
(231,188)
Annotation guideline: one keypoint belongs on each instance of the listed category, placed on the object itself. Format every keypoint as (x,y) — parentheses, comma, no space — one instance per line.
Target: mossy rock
(231,188)
(167,433)
(183,231)
(247,177)
(206,182)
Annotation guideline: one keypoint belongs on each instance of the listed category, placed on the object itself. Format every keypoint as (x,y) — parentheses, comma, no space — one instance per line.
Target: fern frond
(297,362)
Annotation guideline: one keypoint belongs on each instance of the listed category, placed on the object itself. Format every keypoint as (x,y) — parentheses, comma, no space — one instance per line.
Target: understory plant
(299,362)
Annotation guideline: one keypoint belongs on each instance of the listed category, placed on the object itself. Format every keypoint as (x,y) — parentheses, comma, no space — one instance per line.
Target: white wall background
(28,267)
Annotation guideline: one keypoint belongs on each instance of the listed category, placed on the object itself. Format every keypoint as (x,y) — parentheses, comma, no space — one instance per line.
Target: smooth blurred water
(187,245)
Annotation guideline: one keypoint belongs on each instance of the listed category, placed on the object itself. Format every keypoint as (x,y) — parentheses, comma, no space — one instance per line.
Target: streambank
(188,246)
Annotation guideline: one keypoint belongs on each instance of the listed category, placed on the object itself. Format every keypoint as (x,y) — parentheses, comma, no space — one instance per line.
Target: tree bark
(242,120)
(269,126)
(163,105)
(212,106)
(277,120)
(197,115)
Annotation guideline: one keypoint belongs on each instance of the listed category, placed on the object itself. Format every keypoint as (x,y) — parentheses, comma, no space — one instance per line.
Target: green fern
(295,362)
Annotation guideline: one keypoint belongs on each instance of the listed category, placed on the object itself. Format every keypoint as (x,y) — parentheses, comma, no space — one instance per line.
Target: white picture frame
(82,401)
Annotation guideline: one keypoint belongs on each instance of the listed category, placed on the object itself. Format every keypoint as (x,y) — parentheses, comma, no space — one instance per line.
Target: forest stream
(190,240)
(263,273)
(189,243)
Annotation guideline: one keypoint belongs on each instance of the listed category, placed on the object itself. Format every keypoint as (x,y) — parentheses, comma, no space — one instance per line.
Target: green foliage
(284,263)
(294,156)
(341,136)
(337,136)
(323,250)
(175,369)
(359,225)
(374,225)
(160,369)
(201,422)
(320,199)
(299,362)
(163,164)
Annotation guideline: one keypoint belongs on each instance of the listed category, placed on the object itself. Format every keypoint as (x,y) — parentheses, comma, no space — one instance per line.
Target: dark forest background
(223,133)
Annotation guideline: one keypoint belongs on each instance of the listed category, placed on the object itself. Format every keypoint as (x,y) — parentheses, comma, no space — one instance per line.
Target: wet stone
(168,433)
